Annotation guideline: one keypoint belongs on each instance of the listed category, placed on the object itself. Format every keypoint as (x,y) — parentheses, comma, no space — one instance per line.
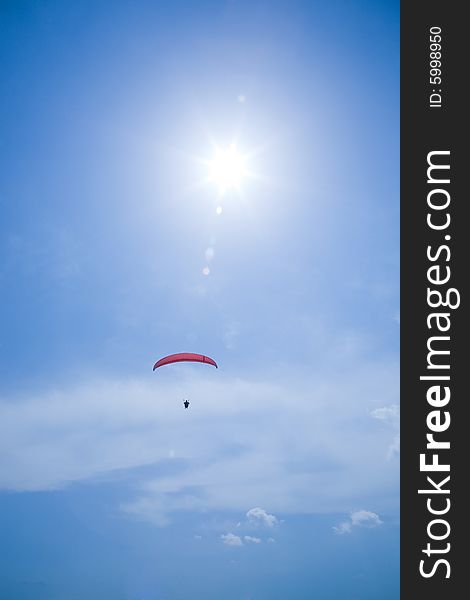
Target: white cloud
(231,540)
(271,540)
(359,518)
(243,442)
(344,527)
(258,516)
(365,518)
(253,540)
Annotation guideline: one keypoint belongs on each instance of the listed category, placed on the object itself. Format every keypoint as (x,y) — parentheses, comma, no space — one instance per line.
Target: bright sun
(227,169)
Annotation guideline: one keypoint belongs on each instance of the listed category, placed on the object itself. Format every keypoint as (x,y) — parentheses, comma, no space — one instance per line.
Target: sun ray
(227,168)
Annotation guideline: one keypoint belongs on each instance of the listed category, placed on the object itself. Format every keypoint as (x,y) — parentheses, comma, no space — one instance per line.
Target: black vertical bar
(433,119)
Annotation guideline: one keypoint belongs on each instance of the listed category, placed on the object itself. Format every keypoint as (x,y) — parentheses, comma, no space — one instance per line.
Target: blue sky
(116,250)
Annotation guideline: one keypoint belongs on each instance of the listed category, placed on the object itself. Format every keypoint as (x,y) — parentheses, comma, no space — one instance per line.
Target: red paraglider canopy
(184,357)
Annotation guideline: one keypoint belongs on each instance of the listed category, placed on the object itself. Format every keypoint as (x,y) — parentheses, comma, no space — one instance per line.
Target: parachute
(184,357)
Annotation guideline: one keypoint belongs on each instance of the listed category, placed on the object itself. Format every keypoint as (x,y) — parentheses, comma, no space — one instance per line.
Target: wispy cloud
(243,442)
(344,527)
(229,539)
(365,518)
(251,539)
(389,414)
(359,518)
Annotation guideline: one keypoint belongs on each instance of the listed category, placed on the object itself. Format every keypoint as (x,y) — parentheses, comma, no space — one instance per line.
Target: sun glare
(227,169)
